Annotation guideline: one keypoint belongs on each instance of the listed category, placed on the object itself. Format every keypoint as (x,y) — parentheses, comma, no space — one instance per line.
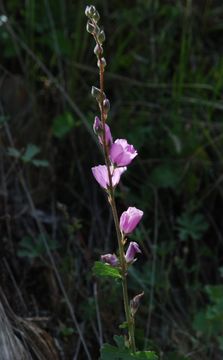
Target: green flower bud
(97,94)
(95,91)
(91,10)
(92,13)
(97,30)
(98,50)
(90,27)
(101,37)
(96,16)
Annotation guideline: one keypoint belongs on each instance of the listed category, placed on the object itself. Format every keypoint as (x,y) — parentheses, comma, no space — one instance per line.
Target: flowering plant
(118,155)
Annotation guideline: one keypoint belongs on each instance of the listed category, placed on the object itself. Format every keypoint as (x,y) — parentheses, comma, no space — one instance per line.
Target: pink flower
(100,173)
(121,153)
(110,259)
(130,219)
(98,129)
(131,251)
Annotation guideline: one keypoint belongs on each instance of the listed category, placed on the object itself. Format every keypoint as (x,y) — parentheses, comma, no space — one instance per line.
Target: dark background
(164,79)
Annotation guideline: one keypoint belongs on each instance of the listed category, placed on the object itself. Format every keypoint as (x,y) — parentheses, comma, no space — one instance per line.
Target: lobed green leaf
(104,270)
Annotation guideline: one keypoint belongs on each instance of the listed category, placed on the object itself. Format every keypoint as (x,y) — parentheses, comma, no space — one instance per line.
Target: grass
(164,80)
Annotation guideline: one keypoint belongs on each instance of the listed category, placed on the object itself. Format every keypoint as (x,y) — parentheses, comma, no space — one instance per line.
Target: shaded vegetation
(165,80)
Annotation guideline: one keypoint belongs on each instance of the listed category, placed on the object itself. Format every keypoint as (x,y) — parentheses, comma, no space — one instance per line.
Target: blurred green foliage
(28,156)
(34,248)
(164,79)
(209,321)
(120,352)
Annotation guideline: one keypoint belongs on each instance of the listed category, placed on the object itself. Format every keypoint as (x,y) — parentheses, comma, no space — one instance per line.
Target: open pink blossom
(130,219)
(100,173)
(121,153)
(98,129)
(132,250)
(110,259)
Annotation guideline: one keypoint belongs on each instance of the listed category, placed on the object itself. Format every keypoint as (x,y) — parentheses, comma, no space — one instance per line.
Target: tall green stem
(129,318)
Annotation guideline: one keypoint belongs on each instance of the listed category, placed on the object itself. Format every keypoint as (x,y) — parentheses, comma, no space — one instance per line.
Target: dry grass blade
(10,346)
(22,340)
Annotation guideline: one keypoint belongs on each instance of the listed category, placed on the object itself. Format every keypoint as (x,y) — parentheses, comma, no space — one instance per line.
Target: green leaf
(215,292)
(27,254)
(66,331)
(28,157)
(62,124)
(109,352)
(28,248)
(31,151)
(121,352)
(165,176)
(3,119)
(174,356)
(40,163)
(120,341)
(14,152)
(105,270)
(145,355)
(34,248)
(191,225)
(123,325)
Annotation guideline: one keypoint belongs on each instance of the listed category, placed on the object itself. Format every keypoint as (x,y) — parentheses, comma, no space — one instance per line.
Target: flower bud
(87,12)
(102,62)
(110,259)
(90,27)
(101,37)
(134,303)
(91,10)
(106,105)
(96,16)
(96,30)
(97,94)
(98,130)
(132,250)
(97,125)
(130,219)
(98,50)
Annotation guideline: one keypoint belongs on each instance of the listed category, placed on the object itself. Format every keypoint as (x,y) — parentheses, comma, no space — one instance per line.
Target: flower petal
(100,173)
(132,250)
(121,153)
(110,259)
(130,219)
